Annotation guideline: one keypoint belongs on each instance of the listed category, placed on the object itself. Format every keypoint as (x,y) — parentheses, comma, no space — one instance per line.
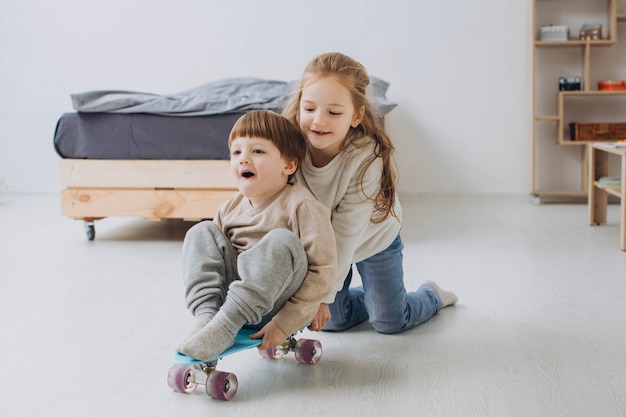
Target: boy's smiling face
(259,168)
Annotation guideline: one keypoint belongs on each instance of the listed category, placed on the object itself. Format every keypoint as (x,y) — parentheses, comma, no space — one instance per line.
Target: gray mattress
(194,124)
(143,136)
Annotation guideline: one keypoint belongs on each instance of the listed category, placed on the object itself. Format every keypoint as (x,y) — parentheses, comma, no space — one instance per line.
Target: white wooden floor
(88,328)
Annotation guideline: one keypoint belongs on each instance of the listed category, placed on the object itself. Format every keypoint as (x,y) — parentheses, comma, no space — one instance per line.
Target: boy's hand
(271,334)
(321,318)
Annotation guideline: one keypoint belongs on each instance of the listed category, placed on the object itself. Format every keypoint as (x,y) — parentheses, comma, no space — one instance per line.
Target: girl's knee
(388,327)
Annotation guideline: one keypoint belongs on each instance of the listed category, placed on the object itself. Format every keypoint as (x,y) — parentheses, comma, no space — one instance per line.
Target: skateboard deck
(187,373)
(242,342)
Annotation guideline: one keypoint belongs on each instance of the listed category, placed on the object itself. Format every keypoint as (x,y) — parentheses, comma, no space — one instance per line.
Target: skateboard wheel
(181,379)
(271,353)
(221,385)
(308,351)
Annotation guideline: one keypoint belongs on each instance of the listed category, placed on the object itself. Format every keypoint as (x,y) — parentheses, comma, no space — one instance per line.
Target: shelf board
(615,190)
(561,193)
(585,142)
(594,93)
(547,118)
(574,42)
(621,17)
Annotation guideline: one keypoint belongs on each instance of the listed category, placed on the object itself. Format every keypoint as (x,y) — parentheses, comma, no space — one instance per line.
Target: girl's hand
(321,318)
(271,334)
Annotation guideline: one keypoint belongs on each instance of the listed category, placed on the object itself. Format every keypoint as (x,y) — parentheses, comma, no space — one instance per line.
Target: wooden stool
(599,192)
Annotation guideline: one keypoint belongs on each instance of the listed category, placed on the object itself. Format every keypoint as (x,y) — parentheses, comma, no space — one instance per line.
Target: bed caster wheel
(221,385)
(308,351)
(90,230)
(181,379)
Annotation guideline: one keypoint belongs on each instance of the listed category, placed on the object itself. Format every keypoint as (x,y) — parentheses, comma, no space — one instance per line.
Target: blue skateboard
(187,373)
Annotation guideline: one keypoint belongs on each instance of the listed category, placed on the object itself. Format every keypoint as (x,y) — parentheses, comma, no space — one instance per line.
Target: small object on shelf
(591,31)
(617,144)
(554,33)
(597,132)
(569,84)
(610,181)
(609,85)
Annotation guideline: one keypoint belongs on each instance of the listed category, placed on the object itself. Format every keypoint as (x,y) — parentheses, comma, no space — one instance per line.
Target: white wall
(459,71)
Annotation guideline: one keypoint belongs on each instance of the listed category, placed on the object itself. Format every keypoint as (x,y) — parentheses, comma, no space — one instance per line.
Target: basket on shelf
(554,33)
(612,85)
(597,132)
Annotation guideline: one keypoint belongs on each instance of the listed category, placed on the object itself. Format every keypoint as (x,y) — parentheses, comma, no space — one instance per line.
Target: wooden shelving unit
(550,107)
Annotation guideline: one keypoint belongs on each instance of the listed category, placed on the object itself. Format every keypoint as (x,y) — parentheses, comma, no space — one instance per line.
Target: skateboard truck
(306,350)
(187,373)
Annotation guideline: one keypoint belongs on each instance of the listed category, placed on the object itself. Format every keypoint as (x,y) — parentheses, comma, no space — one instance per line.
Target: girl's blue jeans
(382,298)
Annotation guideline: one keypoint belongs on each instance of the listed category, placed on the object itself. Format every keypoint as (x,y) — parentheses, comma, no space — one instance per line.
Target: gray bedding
(132,125)
(222,96)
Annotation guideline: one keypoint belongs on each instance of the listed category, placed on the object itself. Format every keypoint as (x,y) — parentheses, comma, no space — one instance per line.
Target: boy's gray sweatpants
(259,281)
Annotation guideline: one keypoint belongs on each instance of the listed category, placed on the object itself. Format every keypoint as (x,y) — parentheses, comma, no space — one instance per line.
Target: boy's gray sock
(202,318)
(216,336)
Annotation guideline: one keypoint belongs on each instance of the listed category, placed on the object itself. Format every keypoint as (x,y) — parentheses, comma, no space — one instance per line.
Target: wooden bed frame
(152,189)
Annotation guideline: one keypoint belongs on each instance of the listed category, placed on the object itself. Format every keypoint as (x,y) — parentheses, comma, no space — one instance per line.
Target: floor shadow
(142,230)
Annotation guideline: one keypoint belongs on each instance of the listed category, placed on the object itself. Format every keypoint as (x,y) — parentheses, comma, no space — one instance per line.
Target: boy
(268,258)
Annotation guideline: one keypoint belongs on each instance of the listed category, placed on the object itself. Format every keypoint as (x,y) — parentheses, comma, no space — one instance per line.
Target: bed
(156,157)
(143,165)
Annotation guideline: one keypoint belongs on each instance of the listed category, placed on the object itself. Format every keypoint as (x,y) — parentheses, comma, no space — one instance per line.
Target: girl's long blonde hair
(354,77)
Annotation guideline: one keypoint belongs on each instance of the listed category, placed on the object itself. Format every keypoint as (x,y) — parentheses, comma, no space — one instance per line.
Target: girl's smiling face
(326,115)
(260,169)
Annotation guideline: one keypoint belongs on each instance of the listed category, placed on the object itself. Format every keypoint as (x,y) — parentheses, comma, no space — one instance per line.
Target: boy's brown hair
(265,124)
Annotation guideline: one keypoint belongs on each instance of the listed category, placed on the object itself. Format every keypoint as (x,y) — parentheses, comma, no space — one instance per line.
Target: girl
(349,168)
